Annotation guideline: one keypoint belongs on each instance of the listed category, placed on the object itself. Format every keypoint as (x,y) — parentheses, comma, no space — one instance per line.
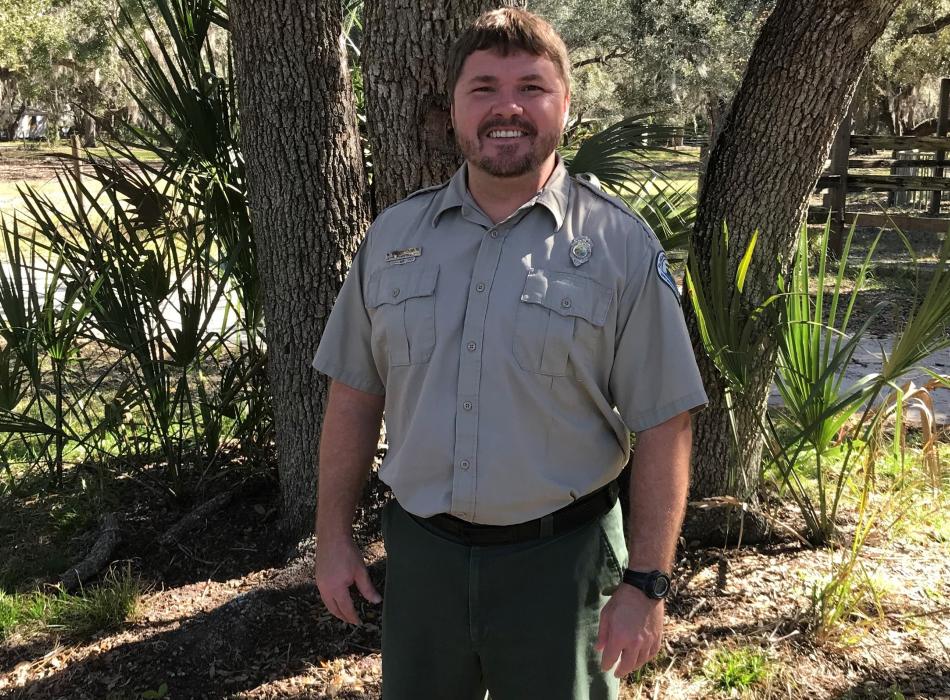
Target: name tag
(401,257)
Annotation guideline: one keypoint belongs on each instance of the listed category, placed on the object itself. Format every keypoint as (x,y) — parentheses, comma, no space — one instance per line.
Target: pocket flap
(568,295)
(393,285)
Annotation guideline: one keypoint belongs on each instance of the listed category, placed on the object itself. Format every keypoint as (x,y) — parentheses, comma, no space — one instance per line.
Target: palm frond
(620,155)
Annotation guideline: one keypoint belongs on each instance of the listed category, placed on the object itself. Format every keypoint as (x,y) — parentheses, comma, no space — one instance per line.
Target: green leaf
(744,263)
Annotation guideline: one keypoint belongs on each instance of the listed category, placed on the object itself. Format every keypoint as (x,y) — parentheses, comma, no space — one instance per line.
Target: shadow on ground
(40,537)
(256,638)
(914,680)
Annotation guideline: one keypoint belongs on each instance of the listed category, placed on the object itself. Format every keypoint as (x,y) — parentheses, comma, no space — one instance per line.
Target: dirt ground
(231,611)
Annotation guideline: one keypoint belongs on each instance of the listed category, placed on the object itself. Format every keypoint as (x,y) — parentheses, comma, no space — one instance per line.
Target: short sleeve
(654,376)
(345,350)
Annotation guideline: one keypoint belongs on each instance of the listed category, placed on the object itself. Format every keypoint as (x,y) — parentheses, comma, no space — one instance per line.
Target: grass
(93,610)
(46,185)
(737,669)
(33,564)
(846,605)
(892,471)
(43,149)
(11,203)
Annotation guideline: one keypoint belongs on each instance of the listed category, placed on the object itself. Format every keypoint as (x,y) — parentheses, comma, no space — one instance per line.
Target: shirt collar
(554,196)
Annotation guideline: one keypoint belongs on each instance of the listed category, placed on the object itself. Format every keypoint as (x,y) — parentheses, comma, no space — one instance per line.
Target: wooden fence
(838,180)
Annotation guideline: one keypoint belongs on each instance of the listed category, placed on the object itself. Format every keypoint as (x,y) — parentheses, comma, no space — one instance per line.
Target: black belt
(580,512)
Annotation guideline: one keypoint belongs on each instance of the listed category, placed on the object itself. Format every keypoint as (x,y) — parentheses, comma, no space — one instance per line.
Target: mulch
(233,614)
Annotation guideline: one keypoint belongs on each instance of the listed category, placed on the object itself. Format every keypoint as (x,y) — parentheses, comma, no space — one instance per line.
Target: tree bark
(404,51)
(89,131)
(762,169)
(96,558)
(307,192)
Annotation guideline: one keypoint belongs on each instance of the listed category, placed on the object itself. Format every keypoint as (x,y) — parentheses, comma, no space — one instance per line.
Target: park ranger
(514,324)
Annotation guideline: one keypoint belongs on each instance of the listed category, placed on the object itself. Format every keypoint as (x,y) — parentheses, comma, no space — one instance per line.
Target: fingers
(334,582)
(611,644)
(636,654)
(603,632)
(627,650)
(365,586)
(332,607)
(339,603)
(629,661)
(344,603)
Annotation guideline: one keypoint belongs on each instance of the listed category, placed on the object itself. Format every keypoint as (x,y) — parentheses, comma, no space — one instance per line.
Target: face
(508,111)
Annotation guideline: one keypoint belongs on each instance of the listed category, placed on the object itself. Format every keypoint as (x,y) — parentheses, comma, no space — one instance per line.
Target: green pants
(518,621)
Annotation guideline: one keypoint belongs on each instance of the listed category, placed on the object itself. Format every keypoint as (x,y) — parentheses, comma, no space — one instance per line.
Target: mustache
(507,124)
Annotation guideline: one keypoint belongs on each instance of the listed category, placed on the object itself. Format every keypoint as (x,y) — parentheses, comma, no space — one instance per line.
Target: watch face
(661,586)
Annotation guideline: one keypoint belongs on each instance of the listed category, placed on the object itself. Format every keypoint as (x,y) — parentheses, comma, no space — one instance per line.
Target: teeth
(506,134)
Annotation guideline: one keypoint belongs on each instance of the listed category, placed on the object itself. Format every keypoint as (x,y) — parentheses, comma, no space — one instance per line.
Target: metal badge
(401,257)
(581,249)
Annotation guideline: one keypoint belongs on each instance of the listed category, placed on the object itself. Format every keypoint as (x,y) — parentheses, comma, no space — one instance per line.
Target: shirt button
(480,287)
(494,234)
(566,302)
(472,347)
(396,292)
(464,464)
(525,297)
(467,405)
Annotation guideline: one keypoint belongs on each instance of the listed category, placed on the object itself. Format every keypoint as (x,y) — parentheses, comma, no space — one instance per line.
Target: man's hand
(631,626)
(339,564)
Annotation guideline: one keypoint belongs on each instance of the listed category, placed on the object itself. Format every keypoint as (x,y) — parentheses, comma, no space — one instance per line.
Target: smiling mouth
(502,134)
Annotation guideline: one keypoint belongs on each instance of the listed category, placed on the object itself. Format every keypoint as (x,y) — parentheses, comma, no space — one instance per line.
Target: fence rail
(905,174)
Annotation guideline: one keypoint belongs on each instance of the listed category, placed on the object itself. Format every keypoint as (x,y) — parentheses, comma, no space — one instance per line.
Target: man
(498,320)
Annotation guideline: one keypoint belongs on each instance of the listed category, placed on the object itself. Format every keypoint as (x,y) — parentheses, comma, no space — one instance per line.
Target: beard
(506,161)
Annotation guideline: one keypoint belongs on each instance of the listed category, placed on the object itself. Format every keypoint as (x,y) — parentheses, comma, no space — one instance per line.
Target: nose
(507,105)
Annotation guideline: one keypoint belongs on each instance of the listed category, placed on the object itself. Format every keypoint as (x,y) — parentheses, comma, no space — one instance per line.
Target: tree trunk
(89,131)
(761,172)
(307,193)
(404,53)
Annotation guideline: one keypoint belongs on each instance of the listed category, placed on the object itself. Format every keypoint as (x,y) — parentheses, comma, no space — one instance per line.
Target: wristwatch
(655,584)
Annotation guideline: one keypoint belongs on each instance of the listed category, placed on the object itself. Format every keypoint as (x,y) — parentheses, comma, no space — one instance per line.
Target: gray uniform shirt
(515,357)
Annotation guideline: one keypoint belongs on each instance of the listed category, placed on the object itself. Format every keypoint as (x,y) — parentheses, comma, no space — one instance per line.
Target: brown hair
(506,30)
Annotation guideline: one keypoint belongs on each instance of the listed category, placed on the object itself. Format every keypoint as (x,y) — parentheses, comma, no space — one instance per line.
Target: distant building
(24,123)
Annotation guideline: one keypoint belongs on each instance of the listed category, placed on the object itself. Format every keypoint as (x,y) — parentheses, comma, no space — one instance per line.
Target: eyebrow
(492,79)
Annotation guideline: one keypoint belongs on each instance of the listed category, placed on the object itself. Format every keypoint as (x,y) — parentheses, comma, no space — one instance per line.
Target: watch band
(655,584)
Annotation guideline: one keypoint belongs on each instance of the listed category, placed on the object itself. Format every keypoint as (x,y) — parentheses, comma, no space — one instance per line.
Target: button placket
(466,423)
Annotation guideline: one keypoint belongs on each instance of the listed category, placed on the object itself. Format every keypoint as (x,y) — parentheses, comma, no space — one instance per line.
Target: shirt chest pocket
(403,298)
(556,309)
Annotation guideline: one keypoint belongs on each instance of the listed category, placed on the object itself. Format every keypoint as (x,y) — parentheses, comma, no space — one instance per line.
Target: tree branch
(602,58)
(931,27)
(97,557)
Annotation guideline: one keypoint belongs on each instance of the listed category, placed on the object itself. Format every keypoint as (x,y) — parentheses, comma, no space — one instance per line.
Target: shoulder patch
(663,272)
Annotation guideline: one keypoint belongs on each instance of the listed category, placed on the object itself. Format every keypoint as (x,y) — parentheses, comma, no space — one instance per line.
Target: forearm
(347,445)
(659,482)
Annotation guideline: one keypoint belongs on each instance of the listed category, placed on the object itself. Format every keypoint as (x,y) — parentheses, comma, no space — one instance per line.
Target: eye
(483,88)
(532,88)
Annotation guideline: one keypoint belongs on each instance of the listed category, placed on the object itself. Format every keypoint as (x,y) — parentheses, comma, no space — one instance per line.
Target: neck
(499,197)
